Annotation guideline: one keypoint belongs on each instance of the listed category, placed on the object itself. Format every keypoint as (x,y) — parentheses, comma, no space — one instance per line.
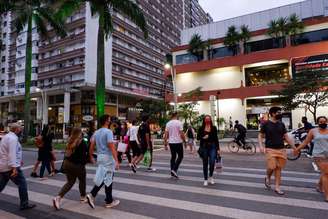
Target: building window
(3,70)
(310,37)
(35,70)
(220,52)
(265,75)
(264,45)
(185,59)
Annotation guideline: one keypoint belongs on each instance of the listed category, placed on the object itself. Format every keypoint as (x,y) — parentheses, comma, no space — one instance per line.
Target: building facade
(241,86)
(64,69)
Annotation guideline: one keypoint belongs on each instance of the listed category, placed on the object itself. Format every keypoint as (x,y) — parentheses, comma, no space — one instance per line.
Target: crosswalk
(238,193)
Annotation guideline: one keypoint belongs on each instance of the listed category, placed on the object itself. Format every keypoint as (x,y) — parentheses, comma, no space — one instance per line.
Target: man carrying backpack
(240,139)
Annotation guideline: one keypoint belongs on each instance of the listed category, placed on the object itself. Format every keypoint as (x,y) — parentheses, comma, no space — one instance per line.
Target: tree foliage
(157,111)
(196,46)
(232,39)
(26,13)
(308,89)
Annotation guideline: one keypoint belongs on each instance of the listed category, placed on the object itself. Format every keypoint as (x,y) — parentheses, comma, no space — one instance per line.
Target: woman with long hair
(76,156)
(45,152)
(209,147)
(319,136)
(124,139)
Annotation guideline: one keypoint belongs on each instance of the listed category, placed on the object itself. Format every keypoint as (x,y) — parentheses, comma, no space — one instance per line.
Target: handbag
(121,147)
(201,151)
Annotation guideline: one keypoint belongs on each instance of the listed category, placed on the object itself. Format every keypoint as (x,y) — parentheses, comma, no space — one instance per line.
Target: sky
(224,9)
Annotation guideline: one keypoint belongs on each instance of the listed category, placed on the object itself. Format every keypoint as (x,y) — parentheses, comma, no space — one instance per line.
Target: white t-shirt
(174,127)
(133,133)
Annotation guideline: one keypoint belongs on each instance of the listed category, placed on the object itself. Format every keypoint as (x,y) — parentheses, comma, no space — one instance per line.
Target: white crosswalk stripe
(170,197)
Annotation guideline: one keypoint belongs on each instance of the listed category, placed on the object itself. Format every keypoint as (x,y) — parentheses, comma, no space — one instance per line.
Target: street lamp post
(43,96)
(173,74)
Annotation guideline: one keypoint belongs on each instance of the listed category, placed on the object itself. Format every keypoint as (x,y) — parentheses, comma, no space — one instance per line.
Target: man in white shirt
(174,136)
(10,163)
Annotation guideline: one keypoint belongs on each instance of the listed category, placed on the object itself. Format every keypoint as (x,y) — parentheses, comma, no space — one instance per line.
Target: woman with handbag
(209,148)
(76,157)
(125,140)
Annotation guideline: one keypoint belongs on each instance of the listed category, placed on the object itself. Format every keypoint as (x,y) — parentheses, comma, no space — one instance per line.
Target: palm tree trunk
(28,72)
(100,83)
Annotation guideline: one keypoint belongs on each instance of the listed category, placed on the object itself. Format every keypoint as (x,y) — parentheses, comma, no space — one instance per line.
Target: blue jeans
(20,181)
(209,159)
(45,164)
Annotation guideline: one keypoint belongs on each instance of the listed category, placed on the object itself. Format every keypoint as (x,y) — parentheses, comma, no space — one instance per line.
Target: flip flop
(267,185)
(279,192)
(318,190)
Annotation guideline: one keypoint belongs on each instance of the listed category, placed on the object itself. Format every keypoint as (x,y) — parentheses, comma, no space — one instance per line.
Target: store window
(265,75)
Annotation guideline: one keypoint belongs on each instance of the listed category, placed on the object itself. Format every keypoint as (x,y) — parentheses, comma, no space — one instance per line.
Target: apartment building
(240,86)
(64,69)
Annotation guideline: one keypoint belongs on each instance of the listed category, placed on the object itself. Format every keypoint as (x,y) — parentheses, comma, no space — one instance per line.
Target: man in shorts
(144,137)
(134,144)
(274,132)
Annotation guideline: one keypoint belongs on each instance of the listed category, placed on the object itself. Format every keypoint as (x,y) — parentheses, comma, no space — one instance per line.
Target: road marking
(74,206)
(8,215)
(177,204)
(222,181)
(241,168)
(248,175)
(31,166)
(223,193)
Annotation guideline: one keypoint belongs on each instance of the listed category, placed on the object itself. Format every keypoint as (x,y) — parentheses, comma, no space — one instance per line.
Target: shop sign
(318,64)
(87,118)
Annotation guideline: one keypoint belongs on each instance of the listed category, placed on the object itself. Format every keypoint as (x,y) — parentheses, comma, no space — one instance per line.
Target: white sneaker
(113,204)
(56,202)
(211,179)
(83,199)
(91,201)
(150,169)
(205,183)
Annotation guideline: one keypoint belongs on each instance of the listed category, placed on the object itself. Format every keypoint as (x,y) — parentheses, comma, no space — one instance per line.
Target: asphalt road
(238,193)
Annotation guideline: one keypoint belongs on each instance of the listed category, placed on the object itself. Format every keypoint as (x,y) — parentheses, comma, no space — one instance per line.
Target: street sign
(87,118)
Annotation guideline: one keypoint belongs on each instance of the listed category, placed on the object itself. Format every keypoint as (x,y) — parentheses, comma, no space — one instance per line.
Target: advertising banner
(318,64)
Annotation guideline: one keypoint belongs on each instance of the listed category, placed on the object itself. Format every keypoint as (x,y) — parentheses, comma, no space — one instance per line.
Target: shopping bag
(218,163)
(147,159)
(121,147)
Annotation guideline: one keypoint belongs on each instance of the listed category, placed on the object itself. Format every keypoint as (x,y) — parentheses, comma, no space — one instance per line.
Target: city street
(238,193)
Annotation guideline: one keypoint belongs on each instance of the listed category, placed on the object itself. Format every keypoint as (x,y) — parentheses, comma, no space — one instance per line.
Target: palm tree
(29,13)
(283,29)
(103,10)
(278,30)
(196,46)
(294,26)
(244,35)
(231,39)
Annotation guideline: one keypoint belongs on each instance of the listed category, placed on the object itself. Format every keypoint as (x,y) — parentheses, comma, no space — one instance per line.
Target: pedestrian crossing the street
(239,192)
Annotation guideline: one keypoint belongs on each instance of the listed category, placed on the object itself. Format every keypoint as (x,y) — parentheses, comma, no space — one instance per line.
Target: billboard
(318,64)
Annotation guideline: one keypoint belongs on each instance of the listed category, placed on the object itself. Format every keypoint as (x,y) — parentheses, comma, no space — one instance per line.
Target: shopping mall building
(240,86)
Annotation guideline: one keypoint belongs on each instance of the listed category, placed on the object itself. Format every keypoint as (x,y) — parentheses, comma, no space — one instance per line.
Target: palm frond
(6,5)
(132,11)
(40,25)
(107,22)
(56,22)
(21,20)
(67,7)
